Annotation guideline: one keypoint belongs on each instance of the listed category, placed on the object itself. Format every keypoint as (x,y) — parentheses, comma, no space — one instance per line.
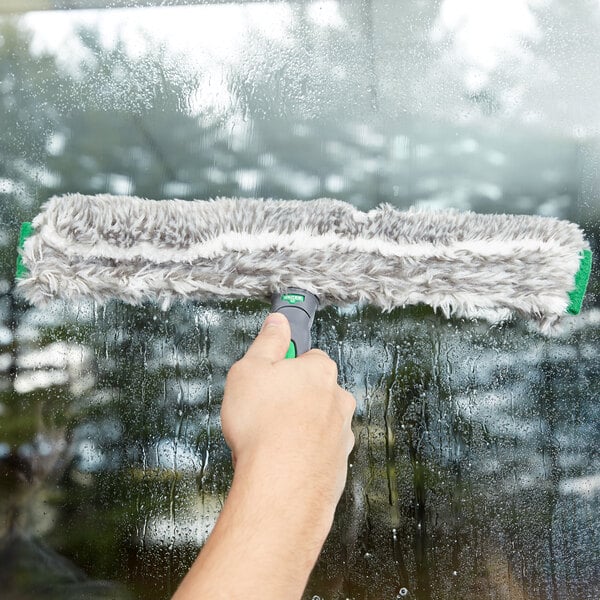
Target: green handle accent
(291,353)
(26,231)
(299,308)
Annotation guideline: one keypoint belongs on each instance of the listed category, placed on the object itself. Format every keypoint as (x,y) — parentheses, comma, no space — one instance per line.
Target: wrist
(291,498)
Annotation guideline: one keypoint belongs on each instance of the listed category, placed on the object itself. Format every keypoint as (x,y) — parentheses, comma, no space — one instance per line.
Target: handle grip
(299,306)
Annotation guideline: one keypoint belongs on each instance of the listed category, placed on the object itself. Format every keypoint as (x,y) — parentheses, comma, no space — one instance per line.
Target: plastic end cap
(581,280)
(26,231)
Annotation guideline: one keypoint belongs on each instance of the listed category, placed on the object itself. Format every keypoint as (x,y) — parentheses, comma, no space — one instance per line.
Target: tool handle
(299,306)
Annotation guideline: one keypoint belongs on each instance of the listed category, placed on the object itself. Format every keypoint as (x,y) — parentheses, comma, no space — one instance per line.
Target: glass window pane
(475,472)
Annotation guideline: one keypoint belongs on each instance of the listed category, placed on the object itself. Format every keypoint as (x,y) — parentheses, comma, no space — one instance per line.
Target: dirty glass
(476,471)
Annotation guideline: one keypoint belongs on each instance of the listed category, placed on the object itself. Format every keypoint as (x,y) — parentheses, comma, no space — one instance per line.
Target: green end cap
(26,231)
(291,353)
(581,280)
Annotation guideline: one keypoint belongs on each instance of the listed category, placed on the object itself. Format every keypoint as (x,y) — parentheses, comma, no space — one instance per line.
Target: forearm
(266,540)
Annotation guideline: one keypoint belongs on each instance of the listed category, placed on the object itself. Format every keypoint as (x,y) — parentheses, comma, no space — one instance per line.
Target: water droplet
(402,593)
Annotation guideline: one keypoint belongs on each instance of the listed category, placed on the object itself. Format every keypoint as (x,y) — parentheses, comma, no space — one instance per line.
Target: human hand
(288,418)
(288,425)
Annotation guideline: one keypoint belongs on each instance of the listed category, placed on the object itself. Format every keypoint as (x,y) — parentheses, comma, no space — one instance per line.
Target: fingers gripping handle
(299,306)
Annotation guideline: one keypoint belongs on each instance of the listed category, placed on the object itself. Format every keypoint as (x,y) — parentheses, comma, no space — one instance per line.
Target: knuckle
(332,368)
(350,401)
(237,369)
(317,353)
(326,364)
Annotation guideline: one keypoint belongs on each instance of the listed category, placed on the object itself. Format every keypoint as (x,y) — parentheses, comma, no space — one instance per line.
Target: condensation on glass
(475,473)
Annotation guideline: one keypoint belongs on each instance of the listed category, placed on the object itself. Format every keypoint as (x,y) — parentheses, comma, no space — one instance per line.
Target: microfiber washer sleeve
(460,263)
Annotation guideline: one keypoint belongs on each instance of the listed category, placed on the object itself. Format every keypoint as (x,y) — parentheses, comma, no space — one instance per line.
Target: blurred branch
(155,147)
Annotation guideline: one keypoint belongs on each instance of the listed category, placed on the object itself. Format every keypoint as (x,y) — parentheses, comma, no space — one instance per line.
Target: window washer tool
(301,255)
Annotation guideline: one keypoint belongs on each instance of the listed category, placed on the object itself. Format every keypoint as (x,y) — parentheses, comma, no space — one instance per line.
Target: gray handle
(299,306)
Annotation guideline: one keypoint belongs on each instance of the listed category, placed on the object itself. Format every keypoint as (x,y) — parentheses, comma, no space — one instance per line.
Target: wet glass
(476,471)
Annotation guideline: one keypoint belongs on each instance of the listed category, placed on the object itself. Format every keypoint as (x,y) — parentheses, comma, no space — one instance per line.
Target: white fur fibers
(137,250)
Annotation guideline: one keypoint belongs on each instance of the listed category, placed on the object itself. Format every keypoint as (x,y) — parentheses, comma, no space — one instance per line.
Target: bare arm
(288,425)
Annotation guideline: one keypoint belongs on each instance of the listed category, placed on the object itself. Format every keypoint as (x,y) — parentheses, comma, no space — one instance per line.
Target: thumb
(273,340)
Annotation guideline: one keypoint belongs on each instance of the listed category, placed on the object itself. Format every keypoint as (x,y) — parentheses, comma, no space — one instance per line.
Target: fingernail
(273,320)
